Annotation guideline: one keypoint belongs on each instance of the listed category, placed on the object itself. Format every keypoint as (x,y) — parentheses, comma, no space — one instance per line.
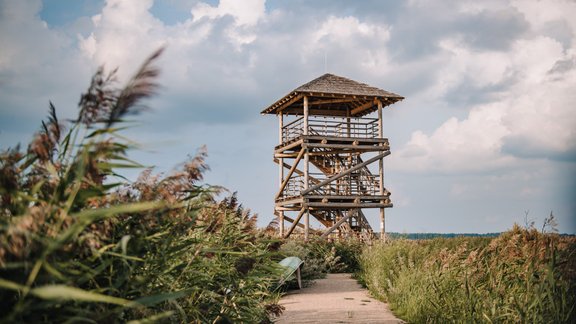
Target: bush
(321,256)
(521,276)
(75,246)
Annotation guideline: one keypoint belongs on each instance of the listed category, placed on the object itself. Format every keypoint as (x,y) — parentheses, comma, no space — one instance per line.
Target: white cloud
(246,12)
(532,116)
(489,86)
(124,34)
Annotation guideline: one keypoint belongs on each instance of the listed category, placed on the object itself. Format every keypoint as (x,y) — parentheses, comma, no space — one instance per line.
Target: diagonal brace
(296,222)
(285,182)
(345,173)
(335,226)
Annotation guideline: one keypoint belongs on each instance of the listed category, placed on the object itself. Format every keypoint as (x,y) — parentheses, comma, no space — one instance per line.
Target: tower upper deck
(332,95)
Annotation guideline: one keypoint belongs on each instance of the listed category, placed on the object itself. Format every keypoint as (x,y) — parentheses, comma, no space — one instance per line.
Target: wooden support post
(306,171)
(306,184)
(305,130)
(381,175)
(281,172)
(348,122)
(307,225)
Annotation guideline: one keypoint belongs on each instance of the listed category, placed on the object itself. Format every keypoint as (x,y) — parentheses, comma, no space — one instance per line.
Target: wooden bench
(291,265)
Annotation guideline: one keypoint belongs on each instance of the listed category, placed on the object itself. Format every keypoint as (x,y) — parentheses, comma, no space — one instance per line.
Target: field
(521,276)
(79,243)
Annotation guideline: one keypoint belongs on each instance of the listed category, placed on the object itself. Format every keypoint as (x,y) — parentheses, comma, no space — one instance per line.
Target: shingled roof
(332,95)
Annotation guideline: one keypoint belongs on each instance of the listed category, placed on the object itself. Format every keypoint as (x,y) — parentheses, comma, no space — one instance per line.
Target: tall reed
(78,243)
(522,276)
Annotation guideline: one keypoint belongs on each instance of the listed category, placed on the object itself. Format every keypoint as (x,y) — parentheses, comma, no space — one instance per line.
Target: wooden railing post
(306,171)
(281,172)
(381,175)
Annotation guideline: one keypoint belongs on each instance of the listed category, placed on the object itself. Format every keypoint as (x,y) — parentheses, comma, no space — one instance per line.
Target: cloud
(35,65)
(245,13)
(525,108)
(488,85)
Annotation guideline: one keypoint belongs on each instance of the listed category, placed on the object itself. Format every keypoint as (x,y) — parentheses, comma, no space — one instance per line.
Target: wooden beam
(289,146)
(350,197)
(342,174)
(320,205)
(281,170)
(362,107)
(289,175)
(288,209)
(291,220)
(345,146)
(305,130)
(288,103)
(295,223)
(335,226)
(328,112)
(381,174)
(330,101)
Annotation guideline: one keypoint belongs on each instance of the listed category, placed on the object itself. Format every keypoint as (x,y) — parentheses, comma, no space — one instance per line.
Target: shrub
(76,246)
(521,276)
(321,256)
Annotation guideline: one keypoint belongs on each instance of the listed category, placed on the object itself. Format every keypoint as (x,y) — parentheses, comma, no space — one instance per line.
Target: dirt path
(336,299)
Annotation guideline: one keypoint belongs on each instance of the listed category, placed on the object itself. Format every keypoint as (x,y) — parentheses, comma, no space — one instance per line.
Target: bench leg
(299,278)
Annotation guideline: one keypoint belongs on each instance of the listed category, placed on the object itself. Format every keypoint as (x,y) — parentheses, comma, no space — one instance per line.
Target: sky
(485,138)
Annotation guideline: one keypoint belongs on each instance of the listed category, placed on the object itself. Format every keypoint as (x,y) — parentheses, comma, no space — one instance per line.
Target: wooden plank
(310,138)
(346,146)
(288,209)
(294,200)
(349,197)
(342,174)
(333,205)
(289,146)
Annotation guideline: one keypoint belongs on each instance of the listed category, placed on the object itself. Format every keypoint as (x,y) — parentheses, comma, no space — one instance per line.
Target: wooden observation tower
(327,155)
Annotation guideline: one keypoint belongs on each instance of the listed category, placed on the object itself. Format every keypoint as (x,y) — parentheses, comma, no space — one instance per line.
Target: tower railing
(360,184)
(332,126)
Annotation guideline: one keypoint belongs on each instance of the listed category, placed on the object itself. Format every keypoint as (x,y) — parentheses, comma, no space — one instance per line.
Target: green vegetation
(321,256)
(521,276)
(77,247)
(426,236)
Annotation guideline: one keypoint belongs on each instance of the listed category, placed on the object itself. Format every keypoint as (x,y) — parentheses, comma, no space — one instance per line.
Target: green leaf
(156,299)
(6,284)
(153,318)
(105,131)
(124,256)
(62,292)
(88,216)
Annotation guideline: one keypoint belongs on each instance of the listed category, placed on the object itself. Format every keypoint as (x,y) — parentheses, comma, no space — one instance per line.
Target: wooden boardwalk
(336,299)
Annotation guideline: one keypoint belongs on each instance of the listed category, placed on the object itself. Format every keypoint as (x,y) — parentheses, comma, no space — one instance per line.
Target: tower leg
(306,225)
(382,225)
(281,223)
